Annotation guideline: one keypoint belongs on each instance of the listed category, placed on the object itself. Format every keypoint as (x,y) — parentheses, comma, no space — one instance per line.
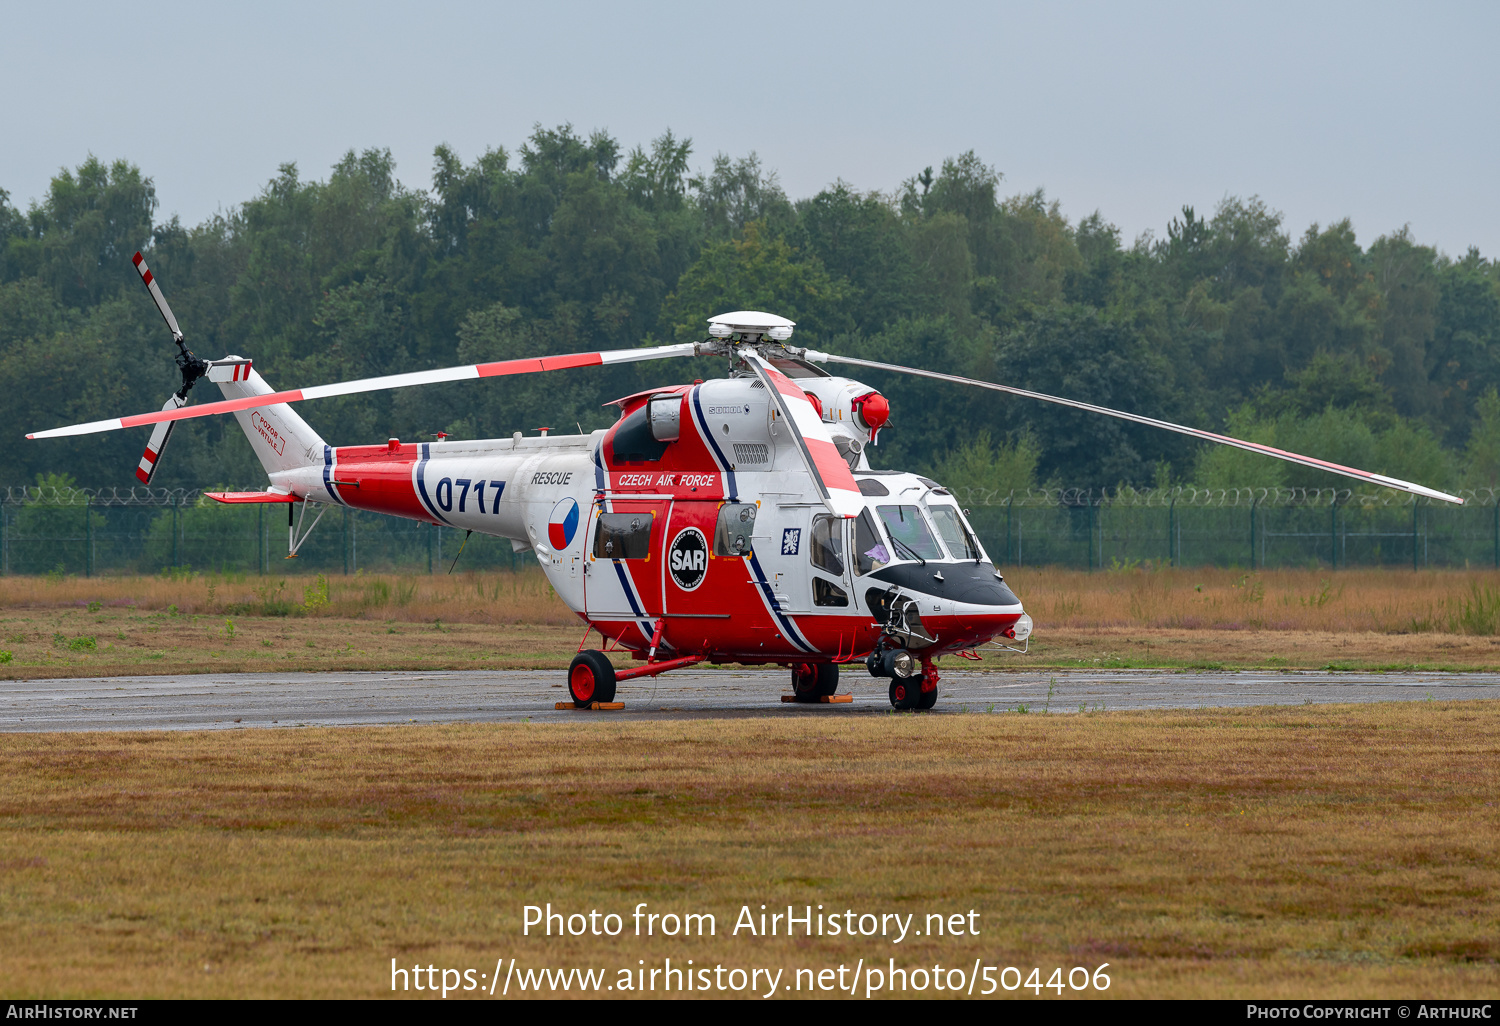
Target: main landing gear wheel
(927,699)
(811,681)
(906,692)
(591,678)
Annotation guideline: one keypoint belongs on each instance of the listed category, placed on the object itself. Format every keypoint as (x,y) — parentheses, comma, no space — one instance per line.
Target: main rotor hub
(751,325)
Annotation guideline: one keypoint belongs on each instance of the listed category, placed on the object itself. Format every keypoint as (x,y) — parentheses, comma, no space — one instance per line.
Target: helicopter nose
(971,584)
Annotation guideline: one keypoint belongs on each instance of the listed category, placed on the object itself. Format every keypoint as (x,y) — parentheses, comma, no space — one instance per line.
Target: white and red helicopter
(731,520)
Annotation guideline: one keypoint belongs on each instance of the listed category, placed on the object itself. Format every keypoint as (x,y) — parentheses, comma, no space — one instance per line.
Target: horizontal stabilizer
(253,496)
(231,369)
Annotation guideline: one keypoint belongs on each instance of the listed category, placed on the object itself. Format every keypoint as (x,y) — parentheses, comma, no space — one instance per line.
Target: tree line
(1385,356)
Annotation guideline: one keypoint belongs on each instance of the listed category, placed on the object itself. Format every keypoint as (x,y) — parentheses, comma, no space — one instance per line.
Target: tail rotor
(188,362)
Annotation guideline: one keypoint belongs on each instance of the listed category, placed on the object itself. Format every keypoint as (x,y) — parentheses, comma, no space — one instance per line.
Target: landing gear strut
(927,693)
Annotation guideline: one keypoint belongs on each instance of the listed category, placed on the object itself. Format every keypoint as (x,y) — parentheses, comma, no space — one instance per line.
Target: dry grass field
(1329,851)
(1356,619)
(1340,601)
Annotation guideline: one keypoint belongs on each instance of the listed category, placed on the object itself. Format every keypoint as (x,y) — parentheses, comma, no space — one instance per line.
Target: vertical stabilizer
(280,437)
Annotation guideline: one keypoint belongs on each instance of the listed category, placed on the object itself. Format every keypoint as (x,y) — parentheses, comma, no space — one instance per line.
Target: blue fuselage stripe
(423,455)
(328,476)
(732,492)
(787,627)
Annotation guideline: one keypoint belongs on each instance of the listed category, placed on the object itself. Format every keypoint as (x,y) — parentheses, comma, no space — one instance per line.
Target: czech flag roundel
(563,524)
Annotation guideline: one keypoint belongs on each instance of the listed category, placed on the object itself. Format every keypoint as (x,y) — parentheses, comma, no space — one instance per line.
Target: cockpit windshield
(954,531)
(909,532)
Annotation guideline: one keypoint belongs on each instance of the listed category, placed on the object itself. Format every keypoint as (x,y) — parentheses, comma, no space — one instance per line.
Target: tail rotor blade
(835,484)
(1208,436)
(157,297)
(151,458)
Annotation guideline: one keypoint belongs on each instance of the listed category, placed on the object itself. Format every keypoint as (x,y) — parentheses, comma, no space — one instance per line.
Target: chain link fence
(153,530)
(89,531)
(1252,528)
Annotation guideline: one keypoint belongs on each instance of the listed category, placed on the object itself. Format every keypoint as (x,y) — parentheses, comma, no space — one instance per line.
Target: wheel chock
(827,699)
(592,705)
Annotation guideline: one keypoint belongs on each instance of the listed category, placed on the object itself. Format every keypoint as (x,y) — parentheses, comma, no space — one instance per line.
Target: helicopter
(736,519)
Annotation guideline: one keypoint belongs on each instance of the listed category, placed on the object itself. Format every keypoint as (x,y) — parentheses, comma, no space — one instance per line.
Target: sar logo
(562,525)
(688,559)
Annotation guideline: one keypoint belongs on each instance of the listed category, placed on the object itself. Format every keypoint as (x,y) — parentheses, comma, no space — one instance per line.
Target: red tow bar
(652,669)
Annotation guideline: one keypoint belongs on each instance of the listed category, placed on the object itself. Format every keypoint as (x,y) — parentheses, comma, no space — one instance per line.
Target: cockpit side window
(954,531)
(623,536)
(909,532)
(827,548)
(869,548)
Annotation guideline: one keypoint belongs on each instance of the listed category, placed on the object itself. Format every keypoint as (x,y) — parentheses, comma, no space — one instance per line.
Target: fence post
(1414,532)
(1252,532)
(1089,506)
(1010,503)
(345,545)
(1171,529)
(174,531)
(1100,518)
(260,537)
(88,536)
(1496,503)
(430,529)
(1333,531)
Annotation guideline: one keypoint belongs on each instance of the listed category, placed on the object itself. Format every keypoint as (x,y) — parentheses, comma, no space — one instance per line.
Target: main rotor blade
(1208,436)
(161,300)
(501,368)
(830,474)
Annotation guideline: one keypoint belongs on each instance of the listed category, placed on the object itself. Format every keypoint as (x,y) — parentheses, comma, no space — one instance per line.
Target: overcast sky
(1383,113)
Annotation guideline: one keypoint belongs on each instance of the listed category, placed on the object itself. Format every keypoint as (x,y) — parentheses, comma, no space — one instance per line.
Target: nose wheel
(918,692)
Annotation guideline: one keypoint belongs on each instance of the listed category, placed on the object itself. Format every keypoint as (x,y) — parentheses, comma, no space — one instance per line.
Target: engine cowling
(851,408)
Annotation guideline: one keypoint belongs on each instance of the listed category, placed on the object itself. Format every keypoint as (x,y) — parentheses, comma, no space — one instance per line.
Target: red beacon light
(874,410)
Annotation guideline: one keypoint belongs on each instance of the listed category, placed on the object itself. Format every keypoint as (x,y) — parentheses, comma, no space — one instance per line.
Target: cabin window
(623,536)
(634,441)
(827,547)
(955,532)
(909,532)
(826,593)
(736,524)
(870,551)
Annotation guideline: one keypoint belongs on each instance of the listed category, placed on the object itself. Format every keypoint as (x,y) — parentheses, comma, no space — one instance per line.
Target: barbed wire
(48,495)
(1188,495)
(1179,495)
